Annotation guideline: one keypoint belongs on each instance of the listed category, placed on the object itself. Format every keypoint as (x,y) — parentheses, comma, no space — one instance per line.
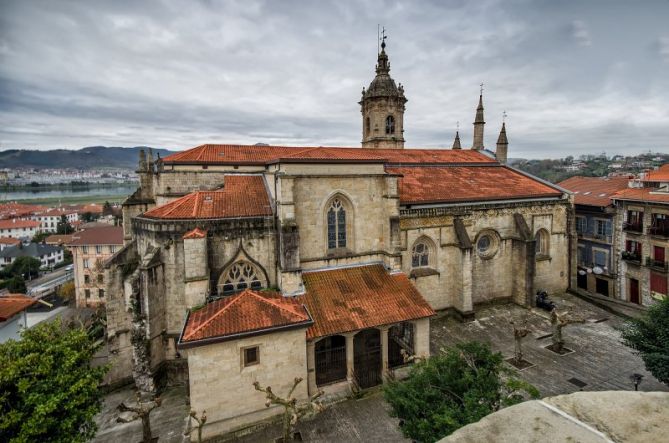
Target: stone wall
(221,385)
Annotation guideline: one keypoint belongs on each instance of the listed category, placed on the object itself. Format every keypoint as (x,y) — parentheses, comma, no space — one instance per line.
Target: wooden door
(634,290)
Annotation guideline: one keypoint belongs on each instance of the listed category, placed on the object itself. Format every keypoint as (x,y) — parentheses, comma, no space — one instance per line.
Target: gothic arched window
(542,245)
(390,124)
(239,276)
(420,255)
(336,219)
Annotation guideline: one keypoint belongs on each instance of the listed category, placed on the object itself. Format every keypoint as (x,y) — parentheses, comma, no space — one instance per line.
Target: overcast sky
(574,76)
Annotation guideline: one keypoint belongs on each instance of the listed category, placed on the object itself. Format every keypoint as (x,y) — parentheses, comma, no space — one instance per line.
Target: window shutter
(658,283)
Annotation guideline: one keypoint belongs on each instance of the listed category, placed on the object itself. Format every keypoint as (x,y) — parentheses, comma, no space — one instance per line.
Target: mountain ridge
(89,157)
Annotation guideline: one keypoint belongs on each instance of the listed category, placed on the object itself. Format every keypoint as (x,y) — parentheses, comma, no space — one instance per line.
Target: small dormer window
(390,124)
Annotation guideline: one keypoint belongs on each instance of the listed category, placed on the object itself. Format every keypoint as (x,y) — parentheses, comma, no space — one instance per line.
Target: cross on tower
(481,88)
(383,37)
(504,117)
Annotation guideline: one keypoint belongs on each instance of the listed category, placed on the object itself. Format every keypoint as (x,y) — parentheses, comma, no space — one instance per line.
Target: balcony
(633,227)
(631,257)
(585,235)
(659,231)
(657,264)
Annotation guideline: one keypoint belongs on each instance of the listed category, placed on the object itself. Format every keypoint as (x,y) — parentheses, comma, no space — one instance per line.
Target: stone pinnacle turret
(456,142)
(479,122)
(502,145)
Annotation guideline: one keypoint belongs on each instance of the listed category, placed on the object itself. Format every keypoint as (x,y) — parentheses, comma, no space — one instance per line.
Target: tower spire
(502,143)
(382,105)
(479,122)
(456,142)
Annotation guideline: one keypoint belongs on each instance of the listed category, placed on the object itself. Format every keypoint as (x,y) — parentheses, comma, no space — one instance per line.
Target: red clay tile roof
(108,235)
(241,196)
(260,155)
(248,312)
(12,304)
(59,239)
(437,184)
(18,224)
(13,210)
(9,241)
(195,233)
(348,299)
(594,191)
(659,175)
(643,195)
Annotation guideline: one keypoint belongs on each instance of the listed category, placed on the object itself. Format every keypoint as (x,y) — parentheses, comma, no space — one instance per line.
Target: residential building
(17,228)
(595,216)
(59,239)
(643,239)
(5,242)
(18,210)
(13,316)
(49,256)
(271,262)
(50,218)
(90,249)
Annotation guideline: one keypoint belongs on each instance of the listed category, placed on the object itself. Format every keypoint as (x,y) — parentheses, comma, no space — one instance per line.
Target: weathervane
(504,117)
(457,125)
(380,37)
(481,88)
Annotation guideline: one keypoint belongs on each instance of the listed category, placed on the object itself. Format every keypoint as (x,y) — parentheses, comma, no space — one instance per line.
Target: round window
(483,244)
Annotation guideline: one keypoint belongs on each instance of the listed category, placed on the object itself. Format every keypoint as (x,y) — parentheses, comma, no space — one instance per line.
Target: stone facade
(219,380)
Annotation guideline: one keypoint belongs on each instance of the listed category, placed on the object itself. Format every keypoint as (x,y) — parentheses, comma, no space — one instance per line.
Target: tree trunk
(519,350)
(287,434)
(557,338)
(146,428)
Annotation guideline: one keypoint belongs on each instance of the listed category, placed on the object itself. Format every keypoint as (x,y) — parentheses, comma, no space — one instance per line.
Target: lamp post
(636,379)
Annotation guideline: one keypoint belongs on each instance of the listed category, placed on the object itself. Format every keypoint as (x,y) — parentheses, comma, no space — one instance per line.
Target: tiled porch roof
(246,313)
(349,299)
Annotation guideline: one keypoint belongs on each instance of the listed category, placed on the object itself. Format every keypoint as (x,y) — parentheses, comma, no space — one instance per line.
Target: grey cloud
(175,74)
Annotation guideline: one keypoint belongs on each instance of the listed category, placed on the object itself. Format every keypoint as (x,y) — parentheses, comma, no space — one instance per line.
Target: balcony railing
(633,227)
(591,236)
(657,264)
(633,257)
(659,231)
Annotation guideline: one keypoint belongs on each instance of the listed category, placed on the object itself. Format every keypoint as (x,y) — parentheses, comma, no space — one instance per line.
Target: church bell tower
(382,107)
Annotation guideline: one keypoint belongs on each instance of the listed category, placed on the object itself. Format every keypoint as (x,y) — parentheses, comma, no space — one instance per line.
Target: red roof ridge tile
(195,233)
(276,304)
(235,299)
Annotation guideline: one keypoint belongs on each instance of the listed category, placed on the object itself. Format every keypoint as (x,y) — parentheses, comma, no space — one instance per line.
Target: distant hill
(85,158)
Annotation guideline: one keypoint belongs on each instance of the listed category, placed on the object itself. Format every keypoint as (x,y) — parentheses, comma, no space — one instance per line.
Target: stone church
(266,263)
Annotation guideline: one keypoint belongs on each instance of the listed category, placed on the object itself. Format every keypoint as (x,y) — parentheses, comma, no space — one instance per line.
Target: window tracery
(390,124)
(420,255)
(239,276)
(336,221)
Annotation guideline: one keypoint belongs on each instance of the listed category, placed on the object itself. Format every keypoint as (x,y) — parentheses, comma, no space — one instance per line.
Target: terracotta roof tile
(260,155)
(18,224)
(12,304)
(9,241)
(594,191)
(13,210)
(659,175)
(195,233)
(108,235)
(643,195)
(436,184)
(59,239)
(241,196)
(348,299)
(244,313)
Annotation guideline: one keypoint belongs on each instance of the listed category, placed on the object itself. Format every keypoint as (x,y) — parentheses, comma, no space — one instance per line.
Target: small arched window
(239,276)
(390,124)
(368,125)
(336,219)
(542,246)
(420,255)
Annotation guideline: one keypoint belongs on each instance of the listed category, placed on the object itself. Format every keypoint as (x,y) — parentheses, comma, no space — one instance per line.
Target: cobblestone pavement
(167,422)
(363,420)
(599,360)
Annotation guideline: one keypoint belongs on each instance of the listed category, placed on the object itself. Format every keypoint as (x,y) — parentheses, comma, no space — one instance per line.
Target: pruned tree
(520,331)
(292,410)
(142,410)
(558,322)
(201,420)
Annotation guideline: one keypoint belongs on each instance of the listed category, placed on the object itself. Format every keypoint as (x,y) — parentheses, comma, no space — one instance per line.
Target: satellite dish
(597,270)
(589,270)
(581,272)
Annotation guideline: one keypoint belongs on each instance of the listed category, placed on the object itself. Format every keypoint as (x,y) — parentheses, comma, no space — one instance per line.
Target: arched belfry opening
(382,106)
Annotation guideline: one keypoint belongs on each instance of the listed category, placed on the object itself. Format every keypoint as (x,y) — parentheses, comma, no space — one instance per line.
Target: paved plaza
(599,362)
